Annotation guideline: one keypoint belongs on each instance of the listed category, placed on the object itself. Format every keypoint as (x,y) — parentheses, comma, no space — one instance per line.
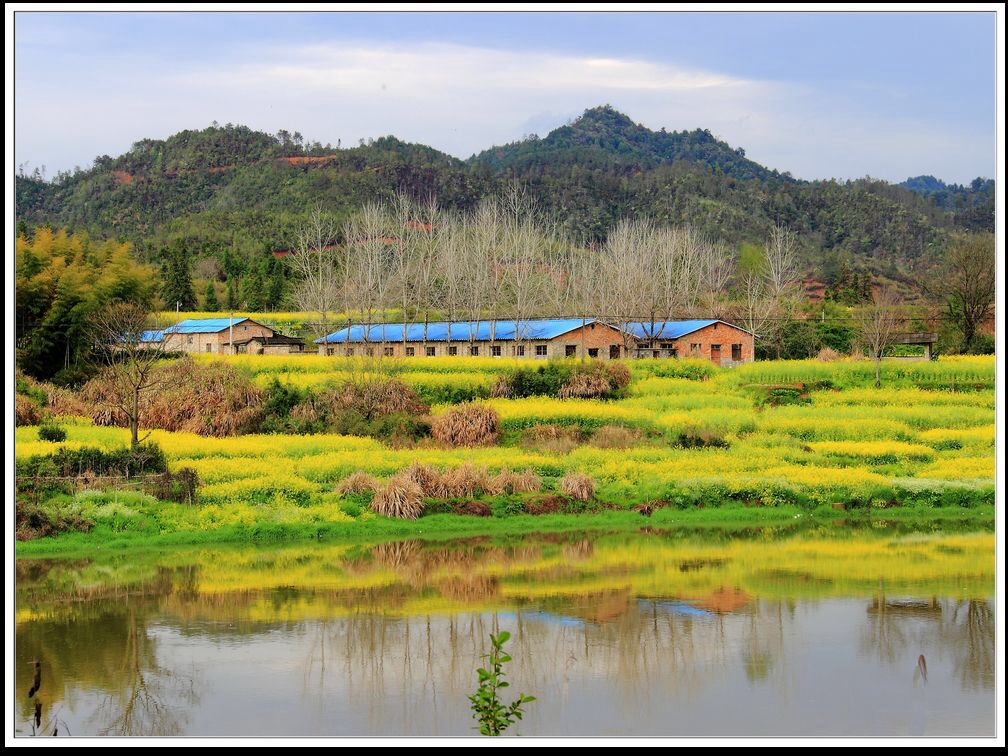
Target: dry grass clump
(463,482)
(470,424)
(501,388)
(211,399)
(619,374)
(61,401)
(577,486)
(425,476)
(615,437)
(556,439)
(26,412)
(400,498)
(584,384)
(511,482)
(375,396)
(358,483)
(828,355)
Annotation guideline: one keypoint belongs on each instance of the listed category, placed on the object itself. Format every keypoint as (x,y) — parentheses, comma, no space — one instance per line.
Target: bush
(375,396)
(358,483)
(177,486)
(72,463)
(615,437)
(578,486)
(400,498)
(701,438)
(556,439)
(828,355)
(510,482)
(26,412)
(51,433)
(49,518)
(472,424)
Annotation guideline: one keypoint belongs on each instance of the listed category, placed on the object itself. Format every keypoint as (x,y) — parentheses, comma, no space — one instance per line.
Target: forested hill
(229,190)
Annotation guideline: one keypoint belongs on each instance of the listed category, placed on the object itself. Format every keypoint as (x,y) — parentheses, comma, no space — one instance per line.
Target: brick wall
(594,336)
(717,333)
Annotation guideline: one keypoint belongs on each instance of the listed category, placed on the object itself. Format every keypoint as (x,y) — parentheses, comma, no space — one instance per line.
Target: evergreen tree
(232,299)
(210,303)
(177,286)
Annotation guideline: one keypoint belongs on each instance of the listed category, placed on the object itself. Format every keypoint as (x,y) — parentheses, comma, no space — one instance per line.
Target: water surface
(749,633)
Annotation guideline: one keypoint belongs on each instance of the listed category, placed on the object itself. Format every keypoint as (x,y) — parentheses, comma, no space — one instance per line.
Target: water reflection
(618,634)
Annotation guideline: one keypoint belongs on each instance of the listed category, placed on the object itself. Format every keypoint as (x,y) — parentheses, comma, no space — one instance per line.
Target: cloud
(463,99)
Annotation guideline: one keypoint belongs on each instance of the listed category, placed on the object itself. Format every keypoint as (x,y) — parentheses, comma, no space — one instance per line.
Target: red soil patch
(123,178)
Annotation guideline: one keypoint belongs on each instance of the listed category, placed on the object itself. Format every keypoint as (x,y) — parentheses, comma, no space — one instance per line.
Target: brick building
(715,340)
(218,336)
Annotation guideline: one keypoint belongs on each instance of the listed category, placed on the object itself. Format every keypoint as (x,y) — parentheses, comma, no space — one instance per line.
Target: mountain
(972,205)
(232,194)
(605,138)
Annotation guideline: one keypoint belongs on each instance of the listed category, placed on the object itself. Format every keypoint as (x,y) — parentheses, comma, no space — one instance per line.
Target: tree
(210,303)
(177,287)
(967,283)
(125,336)
(878,322)
(316,268)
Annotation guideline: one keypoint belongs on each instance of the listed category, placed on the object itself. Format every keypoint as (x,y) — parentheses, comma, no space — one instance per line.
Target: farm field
(767,440)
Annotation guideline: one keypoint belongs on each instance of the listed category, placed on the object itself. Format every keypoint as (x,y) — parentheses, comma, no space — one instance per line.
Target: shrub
(48,518)
(501,388)
(465,481)
(585,384)
(510,482)
(358,483)
(400,498)
(578,486)
(556,439)
(700,438)
(426,477)
(72,463)
(828,355)
(177,486)
(615,437)
(472,424)
(26,412)
(375,396)
(51,433)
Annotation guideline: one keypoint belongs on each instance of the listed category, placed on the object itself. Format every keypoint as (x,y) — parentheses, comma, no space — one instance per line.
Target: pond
(753,632)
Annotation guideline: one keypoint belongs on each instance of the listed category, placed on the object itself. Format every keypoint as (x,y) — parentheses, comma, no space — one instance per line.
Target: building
(223,336)
(543,339)
(722,343)
(715,340)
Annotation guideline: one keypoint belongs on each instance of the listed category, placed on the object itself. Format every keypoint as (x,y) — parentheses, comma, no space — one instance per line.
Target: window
(495,351)
(389,351)
(520,350)
(694,348)
(736,352)
(667,345)
(369,351)
(348,351)
(430,351)
(452,351)
(209,347)
(474,351)
(570,350)
(188,339)
(593,352)
(540,350)
(410,352)
(614,352)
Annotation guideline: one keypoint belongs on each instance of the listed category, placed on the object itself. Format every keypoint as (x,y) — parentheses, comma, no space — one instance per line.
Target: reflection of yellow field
(416,578)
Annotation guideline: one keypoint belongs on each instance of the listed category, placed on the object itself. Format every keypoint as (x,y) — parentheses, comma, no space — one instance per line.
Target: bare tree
(966,283)
(317,266)
(878,323)
(769,292)
(126,337)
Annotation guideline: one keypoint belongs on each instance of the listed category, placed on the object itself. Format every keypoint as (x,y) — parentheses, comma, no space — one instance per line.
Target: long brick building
(716,340)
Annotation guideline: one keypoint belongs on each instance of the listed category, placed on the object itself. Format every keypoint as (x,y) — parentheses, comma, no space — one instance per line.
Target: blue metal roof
(204,325)
(478,330)
(668,329)
(151,336)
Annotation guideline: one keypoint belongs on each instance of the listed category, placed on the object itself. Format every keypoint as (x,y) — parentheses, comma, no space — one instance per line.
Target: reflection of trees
(765,640)
(971,627)
(151,698)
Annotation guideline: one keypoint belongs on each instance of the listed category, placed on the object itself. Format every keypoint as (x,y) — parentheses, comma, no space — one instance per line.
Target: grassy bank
(445,526)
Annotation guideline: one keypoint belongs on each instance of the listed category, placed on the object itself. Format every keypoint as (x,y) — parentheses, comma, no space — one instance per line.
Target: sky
(822,95)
